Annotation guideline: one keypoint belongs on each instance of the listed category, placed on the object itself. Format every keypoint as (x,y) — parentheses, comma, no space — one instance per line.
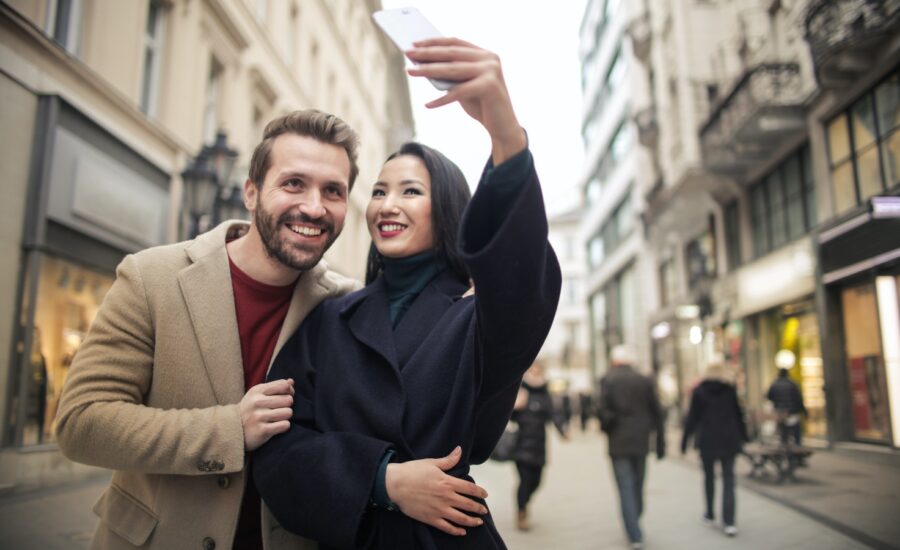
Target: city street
(575,509)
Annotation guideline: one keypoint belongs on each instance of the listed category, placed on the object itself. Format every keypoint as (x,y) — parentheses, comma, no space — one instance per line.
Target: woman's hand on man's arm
(423,491)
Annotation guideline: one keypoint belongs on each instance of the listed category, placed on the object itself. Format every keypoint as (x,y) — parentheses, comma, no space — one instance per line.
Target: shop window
(700,255)
(68,298)
(863,146)
(865,365)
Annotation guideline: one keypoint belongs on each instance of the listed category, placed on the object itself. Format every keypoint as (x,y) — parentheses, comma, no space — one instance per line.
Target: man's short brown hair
(313,123)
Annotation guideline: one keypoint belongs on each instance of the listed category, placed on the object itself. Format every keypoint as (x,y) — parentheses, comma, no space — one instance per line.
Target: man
(788,403)
(166,389)
(629,412)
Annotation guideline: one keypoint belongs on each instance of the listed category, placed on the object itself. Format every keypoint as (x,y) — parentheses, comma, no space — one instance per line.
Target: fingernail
(458,449)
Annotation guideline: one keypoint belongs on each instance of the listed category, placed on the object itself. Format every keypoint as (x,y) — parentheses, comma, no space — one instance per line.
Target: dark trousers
(629,471)
(709,474)
(529,480)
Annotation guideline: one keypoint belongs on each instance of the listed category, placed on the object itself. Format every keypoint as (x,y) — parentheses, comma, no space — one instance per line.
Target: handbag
(506,445)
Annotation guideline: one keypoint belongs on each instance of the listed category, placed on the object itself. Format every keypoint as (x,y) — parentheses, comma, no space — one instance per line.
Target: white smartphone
(405,26)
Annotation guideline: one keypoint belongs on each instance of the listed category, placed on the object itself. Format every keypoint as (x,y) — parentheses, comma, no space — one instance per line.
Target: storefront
(779,328)
(860,260)
(92,199)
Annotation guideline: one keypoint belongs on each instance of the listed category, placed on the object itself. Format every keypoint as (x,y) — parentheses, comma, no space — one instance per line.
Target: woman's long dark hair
(449,196)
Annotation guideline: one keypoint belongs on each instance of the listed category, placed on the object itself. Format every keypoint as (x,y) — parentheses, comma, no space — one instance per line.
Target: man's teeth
(307,231)
(392,227)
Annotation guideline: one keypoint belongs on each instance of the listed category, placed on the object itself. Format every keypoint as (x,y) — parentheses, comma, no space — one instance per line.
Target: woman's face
(399,212)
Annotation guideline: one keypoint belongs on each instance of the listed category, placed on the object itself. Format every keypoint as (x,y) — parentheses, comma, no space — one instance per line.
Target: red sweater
(260,311)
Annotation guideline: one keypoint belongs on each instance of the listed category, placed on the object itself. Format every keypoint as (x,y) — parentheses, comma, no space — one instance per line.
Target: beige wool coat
(153,394)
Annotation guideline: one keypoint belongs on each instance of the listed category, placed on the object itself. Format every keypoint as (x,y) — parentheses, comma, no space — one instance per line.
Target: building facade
(105,103)
(566,351)
(773,222)
(615,174)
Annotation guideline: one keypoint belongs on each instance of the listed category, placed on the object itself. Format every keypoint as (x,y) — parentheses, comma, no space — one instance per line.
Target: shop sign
(784,275)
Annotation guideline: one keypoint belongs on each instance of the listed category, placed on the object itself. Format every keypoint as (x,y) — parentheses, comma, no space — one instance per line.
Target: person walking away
(788,404)
(716,422)
(532,411)
(629,413)
(585,409)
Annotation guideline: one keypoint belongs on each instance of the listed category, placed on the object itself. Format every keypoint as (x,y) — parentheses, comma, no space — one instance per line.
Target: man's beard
(280,249)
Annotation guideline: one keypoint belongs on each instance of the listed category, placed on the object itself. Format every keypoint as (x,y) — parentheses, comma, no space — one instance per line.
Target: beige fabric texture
(153,394)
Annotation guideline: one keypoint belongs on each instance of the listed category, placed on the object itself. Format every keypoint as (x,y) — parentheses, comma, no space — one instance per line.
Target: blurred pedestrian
(716,417)
(585,409)
(566,409)
(629,413)
(788,404)
(532,411)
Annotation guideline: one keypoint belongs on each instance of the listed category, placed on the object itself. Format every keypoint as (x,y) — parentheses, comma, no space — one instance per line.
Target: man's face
(300,208)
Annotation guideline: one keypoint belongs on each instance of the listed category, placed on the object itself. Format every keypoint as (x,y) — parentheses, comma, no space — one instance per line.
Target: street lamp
(231,204)
(204,179)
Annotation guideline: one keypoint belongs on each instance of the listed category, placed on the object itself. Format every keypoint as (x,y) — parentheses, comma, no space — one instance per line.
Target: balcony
(844,34)
(762,110)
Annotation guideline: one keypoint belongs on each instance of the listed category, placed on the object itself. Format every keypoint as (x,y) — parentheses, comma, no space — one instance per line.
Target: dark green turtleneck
(406,277)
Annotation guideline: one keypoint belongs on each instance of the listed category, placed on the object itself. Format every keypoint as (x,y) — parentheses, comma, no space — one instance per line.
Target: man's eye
(336,192)
(293,182)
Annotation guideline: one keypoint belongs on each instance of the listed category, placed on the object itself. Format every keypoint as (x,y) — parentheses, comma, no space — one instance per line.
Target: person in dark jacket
(412,366)
(716,418)
(533,410)
(788,403)
(629,413)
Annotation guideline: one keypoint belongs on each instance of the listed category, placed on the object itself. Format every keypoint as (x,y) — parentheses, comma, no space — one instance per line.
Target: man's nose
(311,204)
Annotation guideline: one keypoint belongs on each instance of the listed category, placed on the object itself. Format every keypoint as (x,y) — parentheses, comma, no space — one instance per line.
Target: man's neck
(249,254)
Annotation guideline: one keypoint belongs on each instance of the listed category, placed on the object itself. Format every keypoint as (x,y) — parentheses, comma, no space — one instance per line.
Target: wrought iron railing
(833,26)
(732,126)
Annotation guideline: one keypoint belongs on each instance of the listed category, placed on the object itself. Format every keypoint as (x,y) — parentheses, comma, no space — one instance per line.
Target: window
(612,233)
(64,23)
(782,204)
(700,255)
(733,235)
(153,43)
(211,105)
(864,146)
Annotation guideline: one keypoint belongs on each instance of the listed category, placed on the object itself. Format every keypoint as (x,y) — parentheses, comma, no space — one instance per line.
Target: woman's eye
(412,191)
(377,193)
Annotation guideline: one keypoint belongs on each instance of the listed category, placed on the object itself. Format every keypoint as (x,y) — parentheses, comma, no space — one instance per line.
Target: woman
(408,367)
(533,410)
(716,416)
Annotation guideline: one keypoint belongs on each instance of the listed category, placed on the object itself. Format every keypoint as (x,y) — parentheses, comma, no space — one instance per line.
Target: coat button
(209,544)
(224,482)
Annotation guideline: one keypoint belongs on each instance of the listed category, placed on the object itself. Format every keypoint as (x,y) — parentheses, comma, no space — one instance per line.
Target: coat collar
(208,292)
(368,315)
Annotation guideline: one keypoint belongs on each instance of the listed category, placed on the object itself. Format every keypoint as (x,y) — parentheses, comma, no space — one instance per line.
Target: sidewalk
(576,507)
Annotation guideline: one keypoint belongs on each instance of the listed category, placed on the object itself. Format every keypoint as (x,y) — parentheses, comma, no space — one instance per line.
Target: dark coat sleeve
(316,484)
(503,241)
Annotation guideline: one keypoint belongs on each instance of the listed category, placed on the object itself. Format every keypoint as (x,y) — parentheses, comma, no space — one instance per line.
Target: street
(576,508)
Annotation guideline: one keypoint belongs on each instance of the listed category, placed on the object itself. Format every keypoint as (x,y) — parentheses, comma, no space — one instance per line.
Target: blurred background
(722,177)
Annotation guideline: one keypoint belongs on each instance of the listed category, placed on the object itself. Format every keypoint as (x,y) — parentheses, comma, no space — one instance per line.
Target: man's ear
(250,195)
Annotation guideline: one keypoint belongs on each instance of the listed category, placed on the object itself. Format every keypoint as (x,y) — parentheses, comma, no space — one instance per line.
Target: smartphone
(405,26)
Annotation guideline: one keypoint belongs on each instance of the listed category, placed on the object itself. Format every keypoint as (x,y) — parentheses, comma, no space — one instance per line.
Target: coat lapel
(311,289)
(206,287)
(434,300)
(370,322)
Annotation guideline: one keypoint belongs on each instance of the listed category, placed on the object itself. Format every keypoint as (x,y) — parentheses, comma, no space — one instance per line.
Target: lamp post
(204,179)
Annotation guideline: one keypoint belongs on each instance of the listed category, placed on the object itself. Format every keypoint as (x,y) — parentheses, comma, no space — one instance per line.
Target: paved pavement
(576,508)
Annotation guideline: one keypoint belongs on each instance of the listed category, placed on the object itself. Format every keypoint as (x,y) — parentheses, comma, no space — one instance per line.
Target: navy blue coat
(447,375)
